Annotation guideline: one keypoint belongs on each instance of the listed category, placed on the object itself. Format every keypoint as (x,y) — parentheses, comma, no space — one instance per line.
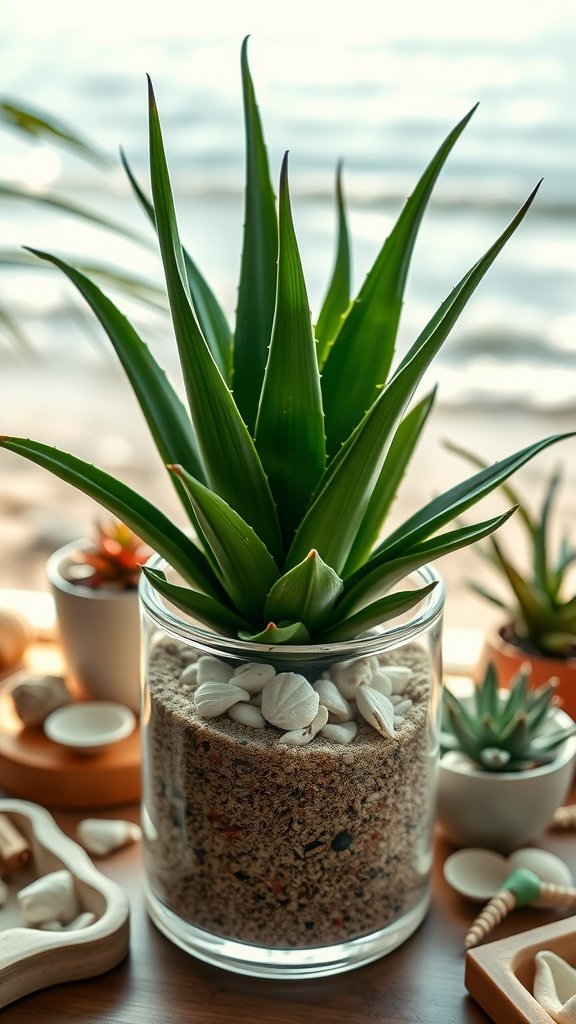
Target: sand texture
(284,846)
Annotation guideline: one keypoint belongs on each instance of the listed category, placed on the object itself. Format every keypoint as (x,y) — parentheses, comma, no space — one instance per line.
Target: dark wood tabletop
(422,982)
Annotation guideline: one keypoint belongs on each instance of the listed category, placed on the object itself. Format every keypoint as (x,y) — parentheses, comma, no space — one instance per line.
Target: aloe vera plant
(293,440)
(505,730)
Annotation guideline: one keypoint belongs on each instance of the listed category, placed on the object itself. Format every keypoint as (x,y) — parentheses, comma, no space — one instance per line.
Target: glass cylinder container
(285,859)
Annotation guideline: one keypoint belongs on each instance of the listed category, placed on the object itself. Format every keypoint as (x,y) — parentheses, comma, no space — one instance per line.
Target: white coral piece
(300,737)
(212,670)
(349,675)
(247,714)
(253,676)
(289,702)
(332,699)
(50,898)
(101,836)
(340,732)
(213,699)
(376,709)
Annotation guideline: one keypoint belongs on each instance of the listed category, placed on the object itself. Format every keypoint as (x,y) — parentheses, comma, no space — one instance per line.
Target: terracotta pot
(507,658)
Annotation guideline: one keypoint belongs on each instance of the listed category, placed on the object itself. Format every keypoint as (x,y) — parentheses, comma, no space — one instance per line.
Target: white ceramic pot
(99,632)
(502,810)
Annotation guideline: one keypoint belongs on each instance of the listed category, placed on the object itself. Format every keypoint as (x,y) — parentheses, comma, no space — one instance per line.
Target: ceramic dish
(88,727)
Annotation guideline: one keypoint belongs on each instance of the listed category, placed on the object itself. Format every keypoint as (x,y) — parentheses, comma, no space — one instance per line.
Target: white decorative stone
(50,898)
(340,732)
(289,702)
(247,714)
(190,674)
(213,699)
(82,921)
(399,675)
(36,697)
(252,676)
(332,699)
(300,737)
(212,670)
(376,709)
(381,681)
(403,707)
(102,836)
(51,926)
(349,675)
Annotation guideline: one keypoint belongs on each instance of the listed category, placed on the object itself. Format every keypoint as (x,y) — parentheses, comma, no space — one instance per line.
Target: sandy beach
(91,412)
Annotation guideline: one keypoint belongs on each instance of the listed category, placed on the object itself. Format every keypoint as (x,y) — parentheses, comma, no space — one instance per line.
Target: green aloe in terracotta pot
(293,438)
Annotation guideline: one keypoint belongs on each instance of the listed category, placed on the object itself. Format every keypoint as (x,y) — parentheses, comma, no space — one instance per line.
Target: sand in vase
(288,847)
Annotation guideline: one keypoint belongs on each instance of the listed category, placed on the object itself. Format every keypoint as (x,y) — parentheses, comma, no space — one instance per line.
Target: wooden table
(420,983)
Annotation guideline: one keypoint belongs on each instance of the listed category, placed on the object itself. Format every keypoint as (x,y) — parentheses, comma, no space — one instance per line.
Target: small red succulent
(115,560)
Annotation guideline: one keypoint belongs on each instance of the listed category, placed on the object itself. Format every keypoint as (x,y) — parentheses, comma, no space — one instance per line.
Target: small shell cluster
(51,903)
(256,695)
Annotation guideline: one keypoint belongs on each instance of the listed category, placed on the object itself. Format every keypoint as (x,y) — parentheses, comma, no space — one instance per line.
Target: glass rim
(427,614)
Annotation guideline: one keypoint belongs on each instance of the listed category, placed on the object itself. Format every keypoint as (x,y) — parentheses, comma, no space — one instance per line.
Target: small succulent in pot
(505,730)
(113,562)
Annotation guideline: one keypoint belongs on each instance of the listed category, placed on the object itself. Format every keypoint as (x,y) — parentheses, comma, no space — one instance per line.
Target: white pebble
(349,675)
(102,836)
(212,670)
(247,714)
(403,706)
(253,676)
(51,897)
(35,697)
(399,676)
(50,926)
(300,737)
(189,655)
(213,699)
(342,732)
(381,682)
(289,702)
(190,674)
(376,709)
(82,921)
(332,699)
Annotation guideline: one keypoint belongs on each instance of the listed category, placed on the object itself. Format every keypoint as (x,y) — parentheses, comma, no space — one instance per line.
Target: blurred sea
(355,82)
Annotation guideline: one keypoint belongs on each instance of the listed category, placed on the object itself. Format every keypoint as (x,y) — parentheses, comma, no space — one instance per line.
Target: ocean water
(377,88)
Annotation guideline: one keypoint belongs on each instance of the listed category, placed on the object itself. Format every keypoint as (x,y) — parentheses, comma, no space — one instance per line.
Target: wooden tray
(31,959)
(500,975)
(35,768)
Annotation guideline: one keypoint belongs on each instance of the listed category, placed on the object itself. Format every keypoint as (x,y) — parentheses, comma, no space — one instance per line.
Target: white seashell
(101,836)
(212,670)
(35,697)
(332,699)
(51,926)
(82,921)
(555,986)
(376,709)
(213,699)
(188,655)
(349,675)
(247,714)
(190,674)
(479,874)
(342,732)
(289,702)
(256,700)
(381,682)
(3,893)
(252,676)
(50,898)
(300,737)
(404,706)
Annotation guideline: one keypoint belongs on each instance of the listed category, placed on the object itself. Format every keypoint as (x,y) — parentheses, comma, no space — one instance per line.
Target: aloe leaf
(359,360)
(200,606)
(57,203)
(246,567)
(308,593)
(257,286)
(351,476)
(165,414)
(453,502)
(147,521)
(506,488)
(541,569)
(487,694)
(381,575)
(375,614)
(533,610)
(337,297)
(232,466)
(384,493)
(291,633)
(211,318)
(43,125)
(290,423)
(487,595)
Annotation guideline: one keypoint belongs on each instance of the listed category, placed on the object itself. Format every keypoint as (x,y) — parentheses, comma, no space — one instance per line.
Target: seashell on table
(102,836)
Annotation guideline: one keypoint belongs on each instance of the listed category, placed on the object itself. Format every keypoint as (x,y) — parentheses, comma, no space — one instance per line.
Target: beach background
(378,89)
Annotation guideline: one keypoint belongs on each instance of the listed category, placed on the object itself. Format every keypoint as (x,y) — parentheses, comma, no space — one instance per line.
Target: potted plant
(95,588)
(507,762)
(292,665)
(540,606)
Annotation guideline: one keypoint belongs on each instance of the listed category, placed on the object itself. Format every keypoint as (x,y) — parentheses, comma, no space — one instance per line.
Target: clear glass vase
(287,861)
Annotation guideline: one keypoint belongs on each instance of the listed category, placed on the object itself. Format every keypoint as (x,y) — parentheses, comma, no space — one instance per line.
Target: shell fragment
(349,675)
(289,702)
(213,699)
(253,676)
(101,836)
(340,732)
(332,699)
(300,737)
(376,709)
(50,898)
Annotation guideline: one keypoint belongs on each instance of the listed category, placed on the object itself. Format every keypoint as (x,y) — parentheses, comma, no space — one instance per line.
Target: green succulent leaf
(337,298)
(533,606)
(375,614)
(486,696)
(147,521)
(359,360)
(307,592)
(211,319)
(347,485)
(506,488)
(230,460)
(200,606)
(247,570)
(42,125)
(257,287)
(165,414)
(541,567)
(384,493)
(290,423)
(483,592)
(284,633)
